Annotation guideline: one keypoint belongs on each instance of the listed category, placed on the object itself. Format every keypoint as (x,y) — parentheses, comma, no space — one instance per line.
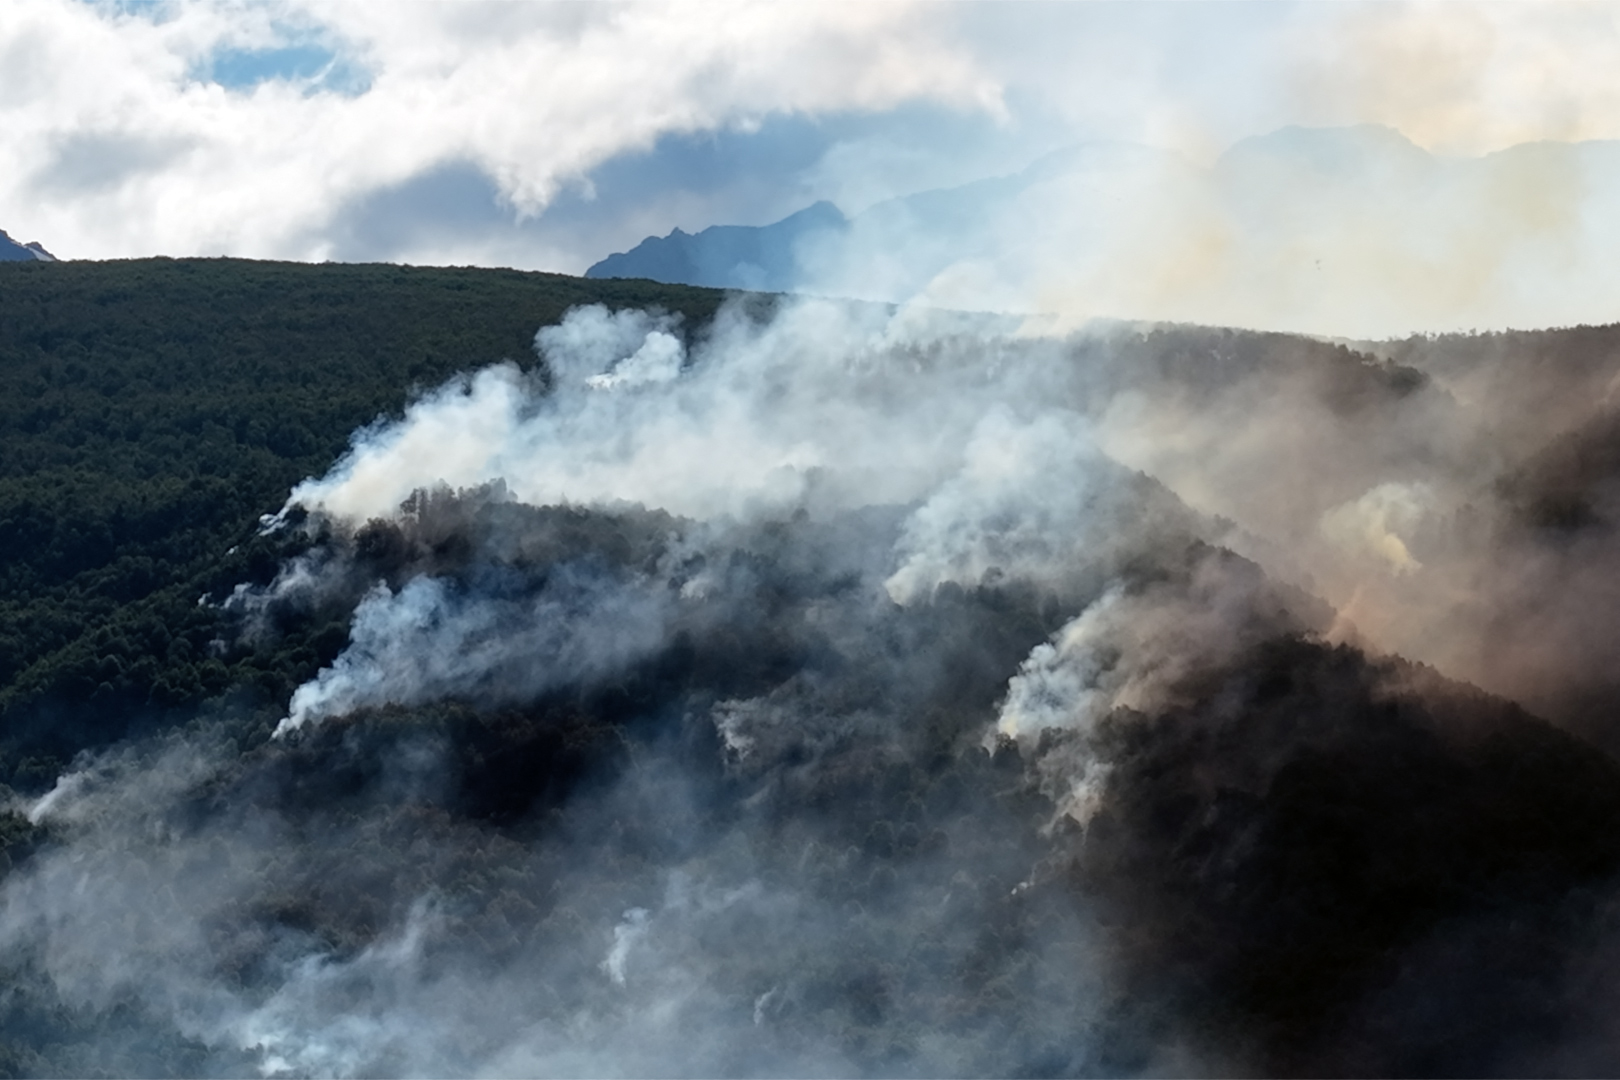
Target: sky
(545,136)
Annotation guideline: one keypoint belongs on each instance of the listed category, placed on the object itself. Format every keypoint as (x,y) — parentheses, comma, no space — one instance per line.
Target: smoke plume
(838,689)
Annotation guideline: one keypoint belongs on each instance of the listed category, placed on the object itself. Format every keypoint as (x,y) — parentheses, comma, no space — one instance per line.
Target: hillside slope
(152,410)
(788,687)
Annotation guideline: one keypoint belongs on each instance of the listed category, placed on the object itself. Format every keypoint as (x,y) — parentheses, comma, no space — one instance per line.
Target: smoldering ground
(824,692)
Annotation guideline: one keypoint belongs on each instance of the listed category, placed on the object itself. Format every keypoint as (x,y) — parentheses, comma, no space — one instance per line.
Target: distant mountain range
(11,251)
(929,230)
(763,257)
(794,253)
(1354,231)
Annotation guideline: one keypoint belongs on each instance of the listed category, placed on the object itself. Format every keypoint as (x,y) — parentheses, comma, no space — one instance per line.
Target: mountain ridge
(1353,232)
(33,250)
(758,258)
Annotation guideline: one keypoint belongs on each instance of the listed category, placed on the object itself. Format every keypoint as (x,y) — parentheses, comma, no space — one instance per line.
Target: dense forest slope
(152,410)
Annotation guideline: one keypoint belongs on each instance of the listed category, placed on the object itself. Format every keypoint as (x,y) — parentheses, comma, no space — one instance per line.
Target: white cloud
(116,145)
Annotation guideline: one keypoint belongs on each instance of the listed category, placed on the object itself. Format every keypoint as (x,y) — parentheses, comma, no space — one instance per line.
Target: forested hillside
(152,410)
(790,687)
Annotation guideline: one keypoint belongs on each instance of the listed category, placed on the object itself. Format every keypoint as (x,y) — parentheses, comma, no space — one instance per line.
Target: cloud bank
(117,113)
(478,133)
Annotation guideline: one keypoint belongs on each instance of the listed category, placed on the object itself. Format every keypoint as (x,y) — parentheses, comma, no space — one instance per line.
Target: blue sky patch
(156,11)
(321,67)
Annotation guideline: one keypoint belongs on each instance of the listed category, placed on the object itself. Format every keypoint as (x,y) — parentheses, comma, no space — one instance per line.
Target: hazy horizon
(546,137)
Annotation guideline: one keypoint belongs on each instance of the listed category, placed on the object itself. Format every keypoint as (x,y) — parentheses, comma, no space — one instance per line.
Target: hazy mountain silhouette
(11,251)
(762,258)
(1355,231)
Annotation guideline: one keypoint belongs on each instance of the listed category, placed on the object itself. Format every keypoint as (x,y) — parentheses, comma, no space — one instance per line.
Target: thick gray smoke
(427,642)
(1373,486)
(836,689)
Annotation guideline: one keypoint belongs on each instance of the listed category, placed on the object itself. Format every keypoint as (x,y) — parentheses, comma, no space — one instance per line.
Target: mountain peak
(1335,151)
(761,257)
(11,251)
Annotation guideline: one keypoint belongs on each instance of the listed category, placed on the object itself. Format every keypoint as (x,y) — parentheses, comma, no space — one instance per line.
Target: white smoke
(428,641)
(1136,652)
(825,399)
(1034,501)
(1373,525)
(825,408)
(455,436)
(1000,444)
(625,937)
(1002,450)
(143,905)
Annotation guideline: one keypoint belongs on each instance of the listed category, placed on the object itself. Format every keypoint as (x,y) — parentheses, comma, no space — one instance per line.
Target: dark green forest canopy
(151,410)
